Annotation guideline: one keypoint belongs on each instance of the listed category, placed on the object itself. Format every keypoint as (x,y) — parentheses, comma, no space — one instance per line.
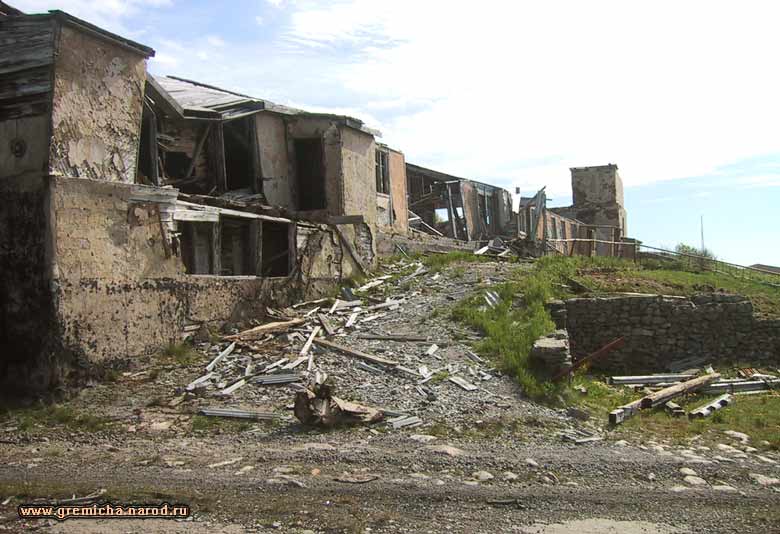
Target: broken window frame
(382,171)
(218,217)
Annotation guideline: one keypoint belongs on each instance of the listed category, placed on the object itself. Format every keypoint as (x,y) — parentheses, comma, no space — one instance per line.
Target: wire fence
(650,256)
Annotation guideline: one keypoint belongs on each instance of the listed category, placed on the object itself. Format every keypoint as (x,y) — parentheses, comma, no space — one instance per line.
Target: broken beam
(355,353)
(660,397)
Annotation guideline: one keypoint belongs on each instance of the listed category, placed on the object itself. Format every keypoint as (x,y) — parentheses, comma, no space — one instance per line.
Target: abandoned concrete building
(595,223)
(134,206)
(457,207)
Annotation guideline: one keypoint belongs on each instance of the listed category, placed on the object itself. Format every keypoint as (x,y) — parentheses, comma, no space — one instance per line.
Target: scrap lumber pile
(371,344)
(661,389)
(495,247)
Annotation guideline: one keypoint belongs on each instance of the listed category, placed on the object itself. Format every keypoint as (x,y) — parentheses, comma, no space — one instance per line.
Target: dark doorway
(196,247)
(310,170)
(276,249)
(238,153)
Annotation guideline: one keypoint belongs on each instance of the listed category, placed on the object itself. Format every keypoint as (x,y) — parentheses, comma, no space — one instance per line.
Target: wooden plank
(329,330)
(642,380)
(307,345)
(393,337)
(217,157)
(666,394)
(624,412)
(356,353)
(351,250)
(216,360)
(198,148)
(259,331)
(462,383)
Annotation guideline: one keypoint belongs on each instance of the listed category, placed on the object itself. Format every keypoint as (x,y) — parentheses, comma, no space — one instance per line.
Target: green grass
(180,354)
(201,423)
(672,278)
(511,331)
(756,415)
(46,417)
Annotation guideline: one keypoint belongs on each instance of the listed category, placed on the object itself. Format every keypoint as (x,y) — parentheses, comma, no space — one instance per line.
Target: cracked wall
(96,108)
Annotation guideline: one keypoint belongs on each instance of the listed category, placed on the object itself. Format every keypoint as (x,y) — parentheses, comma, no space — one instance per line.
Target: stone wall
(660,330)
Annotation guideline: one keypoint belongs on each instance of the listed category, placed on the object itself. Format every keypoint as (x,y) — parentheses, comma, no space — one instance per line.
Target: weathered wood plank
(356,353)
(660,397)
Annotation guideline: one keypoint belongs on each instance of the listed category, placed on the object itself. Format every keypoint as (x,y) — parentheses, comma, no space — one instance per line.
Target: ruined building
(595,223)
(135,206)
(456,207)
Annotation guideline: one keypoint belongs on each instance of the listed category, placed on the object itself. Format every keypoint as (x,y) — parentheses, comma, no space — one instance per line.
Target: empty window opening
(441,215)
(310,171)
(236,252)
(382,173)
(196,247)
(176,164)
(239,166)
(276,249)
(147,154)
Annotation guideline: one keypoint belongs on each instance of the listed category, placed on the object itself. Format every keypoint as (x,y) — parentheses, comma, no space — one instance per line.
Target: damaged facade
(595,223)
(456,207)
(134,206)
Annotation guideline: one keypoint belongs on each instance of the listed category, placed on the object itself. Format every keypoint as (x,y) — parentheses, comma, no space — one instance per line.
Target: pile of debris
(364,340)
(661,389)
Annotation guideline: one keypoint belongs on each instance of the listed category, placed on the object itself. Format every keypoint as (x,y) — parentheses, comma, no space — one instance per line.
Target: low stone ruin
(552,351)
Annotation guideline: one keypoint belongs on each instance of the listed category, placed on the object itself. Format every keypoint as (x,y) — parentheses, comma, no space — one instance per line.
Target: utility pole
(702,234)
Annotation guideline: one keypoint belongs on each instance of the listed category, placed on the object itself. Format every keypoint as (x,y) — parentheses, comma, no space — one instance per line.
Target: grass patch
(210,425)
(511,331)
(756,415)
(54,415)
(179,353)
(671,278)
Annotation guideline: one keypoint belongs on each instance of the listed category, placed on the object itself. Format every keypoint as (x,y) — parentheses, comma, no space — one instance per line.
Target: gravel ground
(482,461)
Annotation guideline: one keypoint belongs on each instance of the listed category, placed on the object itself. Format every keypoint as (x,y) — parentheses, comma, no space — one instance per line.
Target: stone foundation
(660,330)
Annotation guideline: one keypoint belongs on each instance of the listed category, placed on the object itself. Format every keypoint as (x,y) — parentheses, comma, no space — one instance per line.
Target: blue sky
(683,96)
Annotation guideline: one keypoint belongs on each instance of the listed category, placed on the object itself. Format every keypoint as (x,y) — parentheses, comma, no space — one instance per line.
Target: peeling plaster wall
(96,111)
(115,294)
(359,175)
(271,136)
(398,191)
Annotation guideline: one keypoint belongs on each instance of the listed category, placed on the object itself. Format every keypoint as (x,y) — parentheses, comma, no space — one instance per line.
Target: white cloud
(215,40)
(108,14)
(259,20)
(276,3)
(666,90)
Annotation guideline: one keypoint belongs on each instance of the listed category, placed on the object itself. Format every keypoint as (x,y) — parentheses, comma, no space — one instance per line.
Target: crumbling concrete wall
(114,293)
(271,134)
(359,184)
(599,184)
(96,108)
(660,330)
(398,191)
